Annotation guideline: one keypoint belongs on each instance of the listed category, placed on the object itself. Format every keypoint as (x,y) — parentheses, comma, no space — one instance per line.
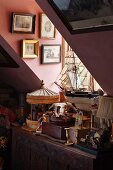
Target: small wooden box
(77,134)
(53,130)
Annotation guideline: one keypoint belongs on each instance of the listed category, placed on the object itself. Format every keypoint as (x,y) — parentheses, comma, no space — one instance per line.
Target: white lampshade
(105,109)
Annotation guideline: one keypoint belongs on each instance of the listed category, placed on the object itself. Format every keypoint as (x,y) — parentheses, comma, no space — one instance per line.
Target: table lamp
(42,96)
(105,111)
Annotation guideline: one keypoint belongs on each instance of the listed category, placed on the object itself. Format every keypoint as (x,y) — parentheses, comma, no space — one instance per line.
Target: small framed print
(47,29)
(30,48)
(23,23)
(51,54)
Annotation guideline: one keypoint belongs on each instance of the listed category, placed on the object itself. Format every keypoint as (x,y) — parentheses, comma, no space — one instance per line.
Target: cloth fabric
(105,109)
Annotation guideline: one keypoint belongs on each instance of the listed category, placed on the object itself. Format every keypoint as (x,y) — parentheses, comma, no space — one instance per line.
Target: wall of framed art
(15,34)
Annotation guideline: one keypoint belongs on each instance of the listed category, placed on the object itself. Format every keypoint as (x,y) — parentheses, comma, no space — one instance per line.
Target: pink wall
(94,49)
(48,73)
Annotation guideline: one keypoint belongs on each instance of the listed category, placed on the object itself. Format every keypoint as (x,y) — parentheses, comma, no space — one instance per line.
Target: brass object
(67,136)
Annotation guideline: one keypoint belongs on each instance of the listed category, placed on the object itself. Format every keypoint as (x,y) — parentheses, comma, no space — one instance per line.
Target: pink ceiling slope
(22,78)
(94,49)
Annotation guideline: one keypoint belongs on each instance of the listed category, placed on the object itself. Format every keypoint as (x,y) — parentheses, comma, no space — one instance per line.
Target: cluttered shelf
(30,152)
(45,138)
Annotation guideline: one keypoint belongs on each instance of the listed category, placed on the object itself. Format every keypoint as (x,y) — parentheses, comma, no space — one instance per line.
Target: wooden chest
(53,130)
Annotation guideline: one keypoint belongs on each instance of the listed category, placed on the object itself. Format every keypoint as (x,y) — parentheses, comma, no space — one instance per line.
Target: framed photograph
(30,48)
(51,54)
(81,16)
(47,29)
(23,23)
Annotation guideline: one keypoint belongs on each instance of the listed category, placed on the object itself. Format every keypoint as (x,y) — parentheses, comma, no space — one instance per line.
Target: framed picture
(23,23)
(30,48)
(47,29)
(51,54)
(81,16)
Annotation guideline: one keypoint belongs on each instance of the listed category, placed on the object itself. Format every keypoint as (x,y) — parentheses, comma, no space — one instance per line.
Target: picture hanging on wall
(30,48)
(51,54)
(47,29)
(23,23)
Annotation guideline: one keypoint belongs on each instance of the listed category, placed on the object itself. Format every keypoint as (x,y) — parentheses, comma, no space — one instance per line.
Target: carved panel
(39,153)
(21,157)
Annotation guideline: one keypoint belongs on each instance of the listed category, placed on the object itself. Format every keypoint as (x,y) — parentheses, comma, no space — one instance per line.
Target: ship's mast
(74,75)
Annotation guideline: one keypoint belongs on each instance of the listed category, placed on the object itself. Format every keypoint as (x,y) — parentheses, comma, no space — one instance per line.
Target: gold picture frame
(30,48)
(47,29)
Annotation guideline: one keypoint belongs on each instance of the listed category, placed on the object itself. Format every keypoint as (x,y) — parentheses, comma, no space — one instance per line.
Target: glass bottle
(79,120)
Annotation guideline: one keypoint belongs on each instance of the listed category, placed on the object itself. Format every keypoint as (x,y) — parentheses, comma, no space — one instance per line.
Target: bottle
(79,119)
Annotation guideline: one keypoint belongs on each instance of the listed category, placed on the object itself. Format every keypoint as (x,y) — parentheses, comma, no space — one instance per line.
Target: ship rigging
(74,76)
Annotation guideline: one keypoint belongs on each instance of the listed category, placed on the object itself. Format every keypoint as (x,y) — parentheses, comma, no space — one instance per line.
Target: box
(53,130)
(32,124)
(76,134)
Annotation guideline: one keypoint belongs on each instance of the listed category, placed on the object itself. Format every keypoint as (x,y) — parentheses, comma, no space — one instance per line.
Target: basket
(32,124)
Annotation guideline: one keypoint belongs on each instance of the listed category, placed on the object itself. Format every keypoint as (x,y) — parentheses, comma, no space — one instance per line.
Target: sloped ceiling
(15,72)
(94,49)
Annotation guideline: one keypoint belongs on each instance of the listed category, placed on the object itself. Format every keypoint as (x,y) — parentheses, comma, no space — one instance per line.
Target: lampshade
(105,109)
(42,96)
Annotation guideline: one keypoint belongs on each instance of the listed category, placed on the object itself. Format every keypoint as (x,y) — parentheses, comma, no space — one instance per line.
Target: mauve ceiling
(17,74)
(95,49)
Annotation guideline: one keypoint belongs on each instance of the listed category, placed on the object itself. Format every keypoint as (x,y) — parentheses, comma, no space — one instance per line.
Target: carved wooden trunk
(53,130)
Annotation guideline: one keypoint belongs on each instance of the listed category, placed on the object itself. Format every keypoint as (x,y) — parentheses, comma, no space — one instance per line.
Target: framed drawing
(51,54)
(30,48)
(81,16)
(47,29)
(23,23)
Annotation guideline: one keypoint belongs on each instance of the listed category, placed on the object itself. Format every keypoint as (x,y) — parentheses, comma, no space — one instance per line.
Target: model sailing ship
(74,78)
